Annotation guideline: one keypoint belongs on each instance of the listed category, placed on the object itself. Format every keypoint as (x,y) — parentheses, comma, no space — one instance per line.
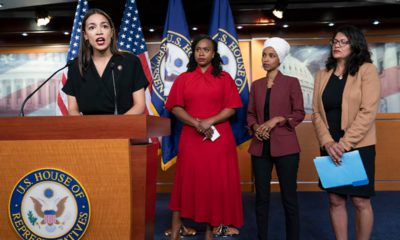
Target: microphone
(112,65)
(21,112)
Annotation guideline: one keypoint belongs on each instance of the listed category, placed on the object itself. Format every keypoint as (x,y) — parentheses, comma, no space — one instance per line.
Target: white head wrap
(280,46)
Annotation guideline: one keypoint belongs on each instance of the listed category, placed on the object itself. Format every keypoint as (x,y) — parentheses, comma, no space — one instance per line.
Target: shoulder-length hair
(85,49)
(359,50)
(215,62)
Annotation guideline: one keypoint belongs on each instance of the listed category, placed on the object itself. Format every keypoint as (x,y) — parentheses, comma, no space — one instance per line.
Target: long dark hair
(215,62)
(85,49)
(359,50)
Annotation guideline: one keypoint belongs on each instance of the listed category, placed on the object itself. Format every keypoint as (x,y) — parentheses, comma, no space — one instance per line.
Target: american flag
(81,10)
(131,39)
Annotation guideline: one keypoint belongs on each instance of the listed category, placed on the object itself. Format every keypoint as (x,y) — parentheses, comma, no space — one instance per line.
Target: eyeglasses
(341,43)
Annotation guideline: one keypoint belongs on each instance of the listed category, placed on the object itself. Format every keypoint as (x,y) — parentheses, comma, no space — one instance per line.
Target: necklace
(339,73)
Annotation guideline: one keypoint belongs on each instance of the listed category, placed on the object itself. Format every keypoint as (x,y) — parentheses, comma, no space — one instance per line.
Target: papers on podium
(350,172)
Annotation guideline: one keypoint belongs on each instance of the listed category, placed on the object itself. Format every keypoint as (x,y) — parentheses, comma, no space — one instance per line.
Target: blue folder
(350,172)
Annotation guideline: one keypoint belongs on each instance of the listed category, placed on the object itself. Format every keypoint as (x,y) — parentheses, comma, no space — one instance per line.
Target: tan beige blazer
(360,104)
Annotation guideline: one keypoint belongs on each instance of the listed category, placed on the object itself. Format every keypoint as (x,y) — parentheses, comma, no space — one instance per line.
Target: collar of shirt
(208,71)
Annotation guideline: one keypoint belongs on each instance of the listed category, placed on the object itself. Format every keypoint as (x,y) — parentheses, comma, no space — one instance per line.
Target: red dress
(207,181)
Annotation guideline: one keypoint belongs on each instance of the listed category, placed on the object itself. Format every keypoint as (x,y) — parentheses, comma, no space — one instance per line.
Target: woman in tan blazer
(345,103)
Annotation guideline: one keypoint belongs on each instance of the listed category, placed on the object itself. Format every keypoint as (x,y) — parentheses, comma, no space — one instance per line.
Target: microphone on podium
(21,112)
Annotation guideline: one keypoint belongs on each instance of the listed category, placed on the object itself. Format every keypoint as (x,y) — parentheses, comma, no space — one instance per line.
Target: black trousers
(286,168)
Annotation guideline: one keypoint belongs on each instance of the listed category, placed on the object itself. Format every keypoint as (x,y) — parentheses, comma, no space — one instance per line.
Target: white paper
(215,135)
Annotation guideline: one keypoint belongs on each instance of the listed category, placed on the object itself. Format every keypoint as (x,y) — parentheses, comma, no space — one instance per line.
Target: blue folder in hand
(350,172)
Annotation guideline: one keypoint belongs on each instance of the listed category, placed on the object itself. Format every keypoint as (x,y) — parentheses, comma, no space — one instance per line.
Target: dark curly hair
(359,50)
(215,62)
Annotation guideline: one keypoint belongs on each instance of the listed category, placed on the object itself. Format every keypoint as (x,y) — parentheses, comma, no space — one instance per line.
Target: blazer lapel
(323,82)
(276,91)
(262,93)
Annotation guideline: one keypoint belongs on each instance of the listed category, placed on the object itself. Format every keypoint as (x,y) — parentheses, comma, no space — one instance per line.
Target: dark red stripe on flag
(63,79)
(62,106)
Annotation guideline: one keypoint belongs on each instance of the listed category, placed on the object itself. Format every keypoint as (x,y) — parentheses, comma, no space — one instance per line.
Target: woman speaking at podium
(103,80)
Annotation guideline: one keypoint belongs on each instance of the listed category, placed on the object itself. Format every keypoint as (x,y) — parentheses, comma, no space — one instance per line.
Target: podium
(110,157)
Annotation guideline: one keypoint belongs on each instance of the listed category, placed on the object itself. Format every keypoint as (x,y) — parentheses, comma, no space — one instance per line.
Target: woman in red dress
(207,182)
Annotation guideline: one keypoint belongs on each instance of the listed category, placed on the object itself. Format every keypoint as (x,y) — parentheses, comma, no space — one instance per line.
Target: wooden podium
(108,155)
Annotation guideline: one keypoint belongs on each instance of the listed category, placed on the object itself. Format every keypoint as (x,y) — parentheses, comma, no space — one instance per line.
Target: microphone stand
(115,89)
(21,112)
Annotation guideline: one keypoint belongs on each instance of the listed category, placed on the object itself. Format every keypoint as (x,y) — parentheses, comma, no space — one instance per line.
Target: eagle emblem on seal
(50,214)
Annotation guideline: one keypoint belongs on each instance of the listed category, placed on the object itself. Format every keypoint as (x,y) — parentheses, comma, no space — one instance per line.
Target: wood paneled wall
(387,174)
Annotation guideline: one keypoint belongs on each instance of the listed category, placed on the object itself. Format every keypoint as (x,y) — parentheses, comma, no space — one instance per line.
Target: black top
(332,100)
(95,94)
(266,145)
(266,106)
